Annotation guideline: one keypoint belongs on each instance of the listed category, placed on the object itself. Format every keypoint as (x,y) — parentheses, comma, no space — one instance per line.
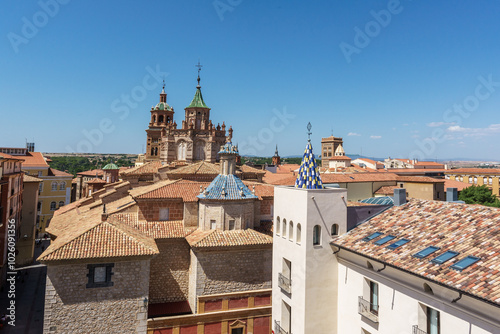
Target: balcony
(278,329)
(417,330)
(368,310)
(285,283)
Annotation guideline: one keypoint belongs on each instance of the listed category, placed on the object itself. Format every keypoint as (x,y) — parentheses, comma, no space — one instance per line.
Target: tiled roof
(138,191)
(201,167)
(148,168)
(340,157)
(474,171)
(261,189)
(386,190)
(187,190)
(248,169)
(358,177)
(418,179)
(96,180)
(308,175)
(110,166)
(197,101)
(226,187)
(29,178)
(164,229)
(94,172)
(456,184)
(55,172)
(428,163)
(6,156)
(469,230)
(287,168)
(103,240)
(218,238)
(34,159)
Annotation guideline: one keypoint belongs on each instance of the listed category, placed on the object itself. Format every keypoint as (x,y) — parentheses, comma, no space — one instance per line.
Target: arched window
(335,229)
(299,234)
(52,206)
(62,186)
(54,186)
(154,119)
(156,150)
(317,235)
(471,179)
(160,119)
(485,180)
(168,119)
(152,151)
(284,228)
(461,178)
(475,179)
(278,227)
(490,181)
(61,203)
(290,231)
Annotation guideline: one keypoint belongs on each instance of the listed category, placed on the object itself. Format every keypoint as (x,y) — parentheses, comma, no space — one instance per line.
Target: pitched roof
(6,156)
(148,168)
(218,238)
(164,229)
(197,101)
(456,184)
(201,167)
(287,168)
(308,175)
(29,178)
(358,177)
(249,169)
(418,179)
(34,159)
(187,190)
(469,230)
(55,172)
(96,180)
(340,157)
(474,171)
(93,172)
(226,187)
(386,190)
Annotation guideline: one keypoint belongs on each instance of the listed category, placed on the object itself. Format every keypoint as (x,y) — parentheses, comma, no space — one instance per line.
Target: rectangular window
(444,257)
(426,252)
(213,224)
(164,214)
(231,224)
(433,326)
(464,263)
(374,297)
(398,243)
(372,236)
(384,240)
(99,275)
(237,331)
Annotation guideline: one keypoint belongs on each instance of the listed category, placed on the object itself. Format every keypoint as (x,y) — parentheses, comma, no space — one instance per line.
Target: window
(39,207)
(290,231)
(52,206)
(164,214)
(213,224)
(39,174)
(40,187)
(372,236)
(299,233)
(398,243)
(317,235)
(471,179)
(384,240)
(54,186)
(99,275)
(335,229)
(465,262)
(444,257)
(237,330)
(284,228)
(433,326)
(231,224)
(61,203)
(374,297)
(62,186)
(426,252)
(278,226)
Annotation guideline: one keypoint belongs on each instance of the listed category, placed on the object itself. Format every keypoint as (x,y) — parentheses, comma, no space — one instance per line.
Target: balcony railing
(367,310)
(278,329)
(417,330)
(285,283)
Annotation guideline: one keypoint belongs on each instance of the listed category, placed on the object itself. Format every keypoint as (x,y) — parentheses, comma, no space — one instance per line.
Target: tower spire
(199,69)
(309,133)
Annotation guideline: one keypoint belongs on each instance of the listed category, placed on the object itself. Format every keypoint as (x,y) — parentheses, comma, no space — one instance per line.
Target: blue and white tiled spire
(308,176)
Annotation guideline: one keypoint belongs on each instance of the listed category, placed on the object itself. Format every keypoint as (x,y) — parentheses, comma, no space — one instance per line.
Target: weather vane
(309,126)
(163,82)
(199,69)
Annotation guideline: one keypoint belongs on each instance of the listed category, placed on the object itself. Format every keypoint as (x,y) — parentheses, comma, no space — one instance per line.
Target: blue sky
(393,78)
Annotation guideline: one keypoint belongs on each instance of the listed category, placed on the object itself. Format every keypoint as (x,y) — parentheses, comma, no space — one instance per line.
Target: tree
(479,195)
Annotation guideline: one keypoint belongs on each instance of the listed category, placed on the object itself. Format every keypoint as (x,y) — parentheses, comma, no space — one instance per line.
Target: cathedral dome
(163,106)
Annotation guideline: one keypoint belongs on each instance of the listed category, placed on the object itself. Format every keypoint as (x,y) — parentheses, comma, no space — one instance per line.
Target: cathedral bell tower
(197,112)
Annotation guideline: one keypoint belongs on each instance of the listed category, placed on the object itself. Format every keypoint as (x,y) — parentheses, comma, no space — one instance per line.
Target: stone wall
(190,214)
(169,274)
(150,209)
(232,271)
(71,307)
(242,212)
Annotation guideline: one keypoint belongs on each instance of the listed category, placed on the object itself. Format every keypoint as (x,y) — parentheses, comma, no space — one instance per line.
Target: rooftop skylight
(426,252)
(372,236)
(384,240)
(465,262)
(444,257)
(398,243)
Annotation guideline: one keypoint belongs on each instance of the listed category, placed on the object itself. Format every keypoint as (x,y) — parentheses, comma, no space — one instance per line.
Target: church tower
(276,158)
(197,112)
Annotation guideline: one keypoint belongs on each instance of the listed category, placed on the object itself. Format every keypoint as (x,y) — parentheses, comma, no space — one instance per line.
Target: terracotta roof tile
(218,238)
(29,178)
(96,180)
(456,184)
(386,190)
(201,167)
(148,168)
(34,159)
(93,172)
(419,179)
(469,230)
(6,156)
(55,172)
(474,171)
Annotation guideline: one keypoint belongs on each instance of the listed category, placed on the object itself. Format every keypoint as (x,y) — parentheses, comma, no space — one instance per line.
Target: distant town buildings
(477,176)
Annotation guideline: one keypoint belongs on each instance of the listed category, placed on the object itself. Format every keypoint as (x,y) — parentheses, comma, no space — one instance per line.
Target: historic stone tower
(276,160)
(197,139)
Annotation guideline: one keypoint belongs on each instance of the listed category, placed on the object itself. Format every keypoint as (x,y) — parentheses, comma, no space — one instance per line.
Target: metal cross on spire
(199,69)
(309,133)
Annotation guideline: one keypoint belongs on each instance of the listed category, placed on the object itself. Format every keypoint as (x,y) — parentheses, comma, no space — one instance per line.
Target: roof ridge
(123,227)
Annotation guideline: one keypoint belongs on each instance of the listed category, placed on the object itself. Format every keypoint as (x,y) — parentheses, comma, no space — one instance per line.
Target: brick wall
(242,212)
(169,274)
(150,209)
(70,307)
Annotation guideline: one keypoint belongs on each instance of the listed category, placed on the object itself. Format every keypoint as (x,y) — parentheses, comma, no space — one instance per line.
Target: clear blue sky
(388,87)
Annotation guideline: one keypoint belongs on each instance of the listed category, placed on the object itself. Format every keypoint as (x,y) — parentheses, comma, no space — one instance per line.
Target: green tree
(479,195)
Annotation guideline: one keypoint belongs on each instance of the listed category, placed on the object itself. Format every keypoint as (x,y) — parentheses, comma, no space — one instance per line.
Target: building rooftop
(468,230)
(34,159)
(218,238)
(308,175)
(148,168)
(226,187)
(29,178)
(474,171)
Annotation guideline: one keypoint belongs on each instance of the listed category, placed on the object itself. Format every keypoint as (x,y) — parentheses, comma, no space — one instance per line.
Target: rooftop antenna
(309,133)
(199,69)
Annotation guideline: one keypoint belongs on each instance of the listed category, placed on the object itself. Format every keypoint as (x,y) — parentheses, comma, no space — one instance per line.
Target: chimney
(104,215)
(451,194)
(399,196)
